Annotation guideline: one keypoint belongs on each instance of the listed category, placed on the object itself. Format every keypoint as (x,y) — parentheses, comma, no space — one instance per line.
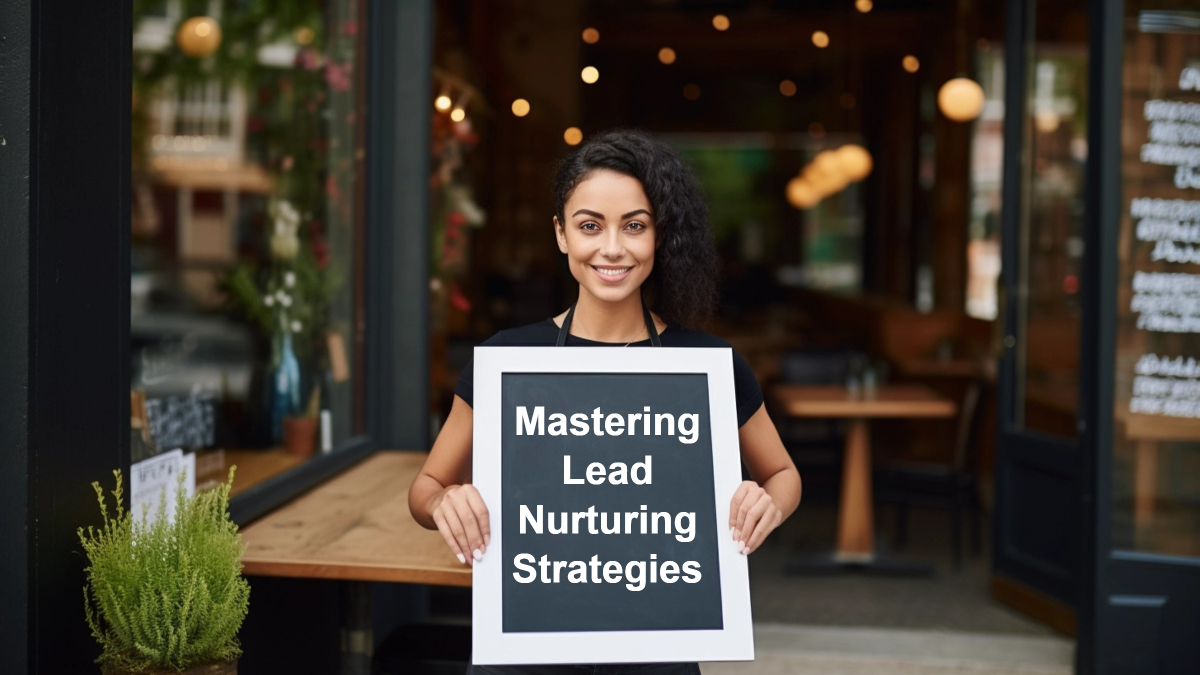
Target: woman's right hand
(462,518)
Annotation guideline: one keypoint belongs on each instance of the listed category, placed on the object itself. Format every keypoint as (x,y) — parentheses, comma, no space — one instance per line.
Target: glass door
(1036,552)
(1147,568)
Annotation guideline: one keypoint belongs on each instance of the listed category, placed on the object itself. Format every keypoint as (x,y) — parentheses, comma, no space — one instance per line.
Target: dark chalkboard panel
(682,481)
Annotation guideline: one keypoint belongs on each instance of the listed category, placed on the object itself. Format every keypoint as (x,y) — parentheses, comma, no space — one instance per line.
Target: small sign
(608,474)
(151,479)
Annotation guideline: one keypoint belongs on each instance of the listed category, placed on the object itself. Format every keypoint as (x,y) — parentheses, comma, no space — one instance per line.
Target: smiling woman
(630,220)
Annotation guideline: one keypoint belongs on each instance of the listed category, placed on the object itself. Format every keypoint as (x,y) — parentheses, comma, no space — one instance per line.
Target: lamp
(801,194)
(854,161)
(961,99)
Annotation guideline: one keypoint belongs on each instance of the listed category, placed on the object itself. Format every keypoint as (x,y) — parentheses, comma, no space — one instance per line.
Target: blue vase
(285,385)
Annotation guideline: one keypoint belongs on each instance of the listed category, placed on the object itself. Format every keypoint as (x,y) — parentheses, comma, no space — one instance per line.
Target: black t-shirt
(545,334)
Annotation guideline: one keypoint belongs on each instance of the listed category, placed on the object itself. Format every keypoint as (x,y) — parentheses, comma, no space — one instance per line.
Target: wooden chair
(945,486)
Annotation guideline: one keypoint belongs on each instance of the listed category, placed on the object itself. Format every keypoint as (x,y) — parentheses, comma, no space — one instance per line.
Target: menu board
(1158,300)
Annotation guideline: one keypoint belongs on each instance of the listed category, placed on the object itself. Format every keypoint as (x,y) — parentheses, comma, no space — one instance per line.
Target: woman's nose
(613,246)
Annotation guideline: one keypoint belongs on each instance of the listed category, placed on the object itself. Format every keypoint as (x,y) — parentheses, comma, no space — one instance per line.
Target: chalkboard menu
(1157,388)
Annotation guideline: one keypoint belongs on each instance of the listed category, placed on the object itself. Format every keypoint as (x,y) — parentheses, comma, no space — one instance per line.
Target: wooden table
(355,527)
(856,527)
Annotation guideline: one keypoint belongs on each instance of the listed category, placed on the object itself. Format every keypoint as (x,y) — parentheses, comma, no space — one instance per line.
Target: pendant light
(961,98)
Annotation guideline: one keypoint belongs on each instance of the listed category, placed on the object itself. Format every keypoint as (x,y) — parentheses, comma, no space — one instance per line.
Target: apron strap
(565,330)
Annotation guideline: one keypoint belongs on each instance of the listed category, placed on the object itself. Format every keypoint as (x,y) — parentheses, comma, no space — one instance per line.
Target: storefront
(291,198)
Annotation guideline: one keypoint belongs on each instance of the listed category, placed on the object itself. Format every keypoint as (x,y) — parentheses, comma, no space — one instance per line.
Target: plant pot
(225,668)
(299,435)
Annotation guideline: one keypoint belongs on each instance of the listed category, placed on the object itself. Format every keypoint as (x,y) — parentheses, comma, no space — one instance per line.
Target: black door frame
(66,72)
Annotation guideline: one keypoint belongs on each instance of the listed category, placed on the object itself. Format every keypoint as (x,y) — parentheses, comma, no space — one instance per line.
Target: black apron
(565,330)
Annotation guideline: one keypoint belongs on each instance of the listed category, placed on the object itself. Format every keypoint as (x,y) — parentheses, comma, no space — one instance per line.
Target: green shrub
(167,595)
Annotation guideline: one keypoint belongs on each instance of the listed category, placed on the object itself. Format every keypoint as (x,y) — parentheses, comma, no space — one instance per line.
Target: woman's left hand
(752,516)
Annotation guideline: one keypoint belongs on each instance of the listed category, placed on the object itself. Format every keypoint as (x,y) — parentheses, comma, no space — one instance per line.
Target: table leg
(856,527)
(358,640)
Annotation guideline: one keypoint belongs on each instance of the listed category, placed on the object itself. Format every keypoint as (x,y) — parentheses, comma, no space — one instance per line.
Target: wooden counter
(355,526)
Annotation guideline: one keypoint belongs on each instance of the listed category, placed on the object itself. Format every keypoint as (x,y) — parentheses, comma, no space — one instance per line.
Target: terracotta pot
(226,668)
(300,435)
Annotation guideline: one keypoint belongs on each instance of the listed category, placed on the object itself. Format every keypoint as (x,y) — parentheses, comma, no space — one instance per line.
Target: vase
(285,384)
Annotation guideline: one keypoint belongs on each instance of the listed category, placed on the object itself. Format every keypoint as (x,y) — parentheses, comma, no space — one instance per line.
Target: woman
(630,219)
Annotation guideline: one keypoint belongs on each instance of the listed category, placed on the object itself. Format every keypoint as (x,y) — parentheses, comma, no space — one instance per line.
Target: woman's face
(608,235)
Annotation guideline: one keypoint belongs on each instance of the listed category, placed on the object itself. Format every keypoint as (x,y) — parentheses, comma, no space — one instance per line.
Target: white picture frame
(490,644)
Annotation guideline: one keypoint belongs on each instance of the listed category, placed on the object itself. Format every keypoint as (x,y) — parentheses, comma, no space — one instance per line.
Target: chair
(815,445)
(945,486)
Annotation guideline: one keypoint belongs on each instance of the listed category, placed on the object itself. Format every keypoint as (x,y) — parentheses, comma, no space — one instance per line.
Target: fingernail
(461,558)
(478,554)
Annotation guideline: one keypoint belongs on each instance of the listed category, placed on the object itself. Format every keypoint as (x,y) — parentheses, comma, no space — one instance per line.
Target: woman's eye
(636,226)
(589,226)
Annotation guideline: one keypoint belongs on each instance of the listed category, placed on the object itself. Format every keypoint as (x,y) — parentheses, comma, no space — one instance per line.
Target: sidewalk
(818,650)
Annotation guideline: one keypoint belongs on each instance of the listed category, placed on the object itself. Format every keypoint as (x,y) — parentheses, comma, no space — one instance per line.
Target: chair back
(964,437)
(809,366)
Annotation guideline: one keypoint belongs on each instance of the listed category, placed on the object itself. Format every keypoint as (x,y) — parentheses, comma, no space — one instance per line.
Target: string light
(458,114)
(721,22)
(442,103)
(666,55)
(520,107)
(863,6)
(573,135)
(820,39)
(591,36)
(787,88)
(911,63)
(590,74)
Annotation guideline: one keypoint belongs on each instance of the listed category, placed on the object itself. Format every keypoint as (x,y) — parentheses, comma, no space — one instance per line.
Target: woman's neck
(603,321)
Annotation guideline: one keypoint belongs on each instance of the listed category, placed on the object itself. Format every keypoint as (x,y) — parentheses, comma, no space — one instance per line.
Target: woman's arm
(440,496)
(760,505)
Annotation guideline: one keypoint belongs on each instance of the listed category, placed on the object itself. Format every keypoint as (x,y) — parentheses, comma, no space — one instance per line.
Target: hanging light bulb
(589,74)
(442,103)
(825,173)
(458,115)
(855,162)
(801,194)
(961,99)
(199,36)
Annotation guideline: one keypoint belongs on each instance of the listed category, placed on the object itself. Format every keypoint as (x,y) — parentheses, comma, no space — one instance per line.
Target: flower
(289,279)
(269,301)
(295,326)
(286,221)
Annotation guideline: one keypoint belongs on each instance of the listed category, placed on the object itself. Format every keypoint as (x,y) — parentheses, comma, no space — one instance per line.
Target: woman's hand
(462,518)
(752,516)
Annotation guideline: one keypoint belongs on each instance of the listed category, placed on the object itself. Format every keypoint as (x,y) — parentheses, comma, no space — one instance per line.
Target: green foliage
(165,595)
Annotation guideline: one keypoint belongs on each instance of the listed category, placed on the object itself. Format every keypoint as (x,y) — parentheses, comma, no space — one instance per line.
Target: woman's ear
(560,234)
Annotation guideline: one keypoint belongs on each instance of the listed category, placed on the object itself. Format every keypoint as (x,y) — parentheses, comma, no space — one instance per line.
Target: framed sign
(608,474)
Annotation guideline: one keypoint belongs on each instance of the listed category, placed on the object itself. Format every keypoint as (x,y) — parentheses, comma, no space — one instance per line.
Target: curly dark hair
(683,284)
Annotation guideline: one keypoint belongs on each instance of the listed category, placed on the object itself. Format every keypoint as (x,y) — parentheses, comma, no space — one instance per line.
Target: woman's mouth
(611,274)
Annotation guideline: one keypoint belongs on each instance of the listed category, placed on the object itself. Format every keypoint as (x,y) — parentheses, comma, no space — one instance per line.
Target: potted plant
(300,432)
(166,595)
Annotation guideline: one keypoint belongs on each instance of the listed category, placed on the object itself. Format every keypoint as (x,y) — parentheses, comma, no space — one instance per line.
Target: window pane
(246,233)
(1051,244)
(1156,446)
